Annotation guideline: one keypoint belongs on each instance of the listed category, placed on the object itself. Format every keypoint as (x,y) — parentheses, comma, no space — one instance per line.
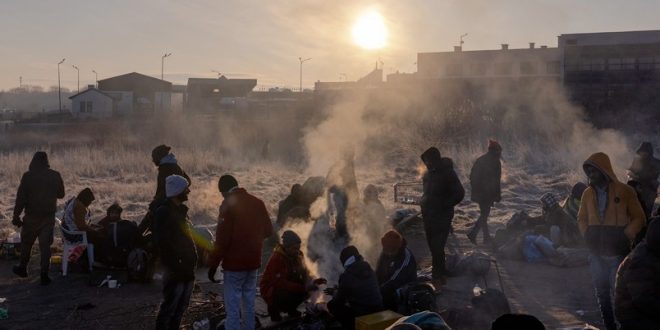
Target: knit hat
(290,238)
(646,147)
(392,241)
(175,185)
(348,252)
(86,196)
(114,208)
(159,152)
(226,183)
(494,145)
(578,189)
(549,200)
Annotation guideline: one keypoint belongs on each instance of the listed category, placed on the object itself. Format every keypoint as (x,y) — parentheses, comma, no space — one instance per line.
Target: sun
(369,31)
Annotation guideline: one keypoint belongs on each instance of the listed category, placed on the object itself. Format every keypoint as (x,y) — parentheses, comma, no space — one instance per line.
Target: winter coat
(168,166)
(283,272)
(243,225)
(39,190)
(624,216)
(442,191)
(291,207)
(485,179)
(77,216)
(394,272)
(645,170)
(358,288)
(570,234)
(173,238)
(637,295)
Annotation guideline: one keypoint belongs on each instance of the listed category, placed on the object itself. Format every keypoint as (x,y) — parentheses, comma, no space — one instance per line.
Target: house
(92,103)
(146,94)
(208,94)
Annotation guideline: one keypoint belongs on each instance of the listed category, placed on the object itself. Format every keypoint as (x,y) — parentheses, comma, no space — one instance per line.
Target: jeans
(437,231)
(603,274)
(176,297)
(240,287)
(482,222)
(33,228)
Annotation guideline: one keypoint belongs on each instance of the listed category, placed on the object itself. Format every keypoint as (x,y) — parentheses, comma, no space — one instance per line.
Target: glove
(16,221)
(212,271)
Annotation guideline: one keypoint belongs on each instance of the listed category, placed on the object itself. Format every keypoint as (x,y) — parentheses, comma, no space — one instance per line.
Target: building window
(82,106)
(527,67)
(552,67)
(504,68)
(454,69)
(628,63)
(89,106)
(614,64)
(479,69)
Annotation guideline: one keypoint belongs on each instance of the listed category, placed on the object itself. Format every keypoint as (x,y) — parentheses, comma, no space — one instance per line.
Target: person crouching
(286,282)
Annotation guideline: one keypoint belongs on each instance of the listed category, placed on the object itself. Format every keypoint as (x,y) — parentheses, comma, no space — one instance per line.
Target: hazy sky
(263,39)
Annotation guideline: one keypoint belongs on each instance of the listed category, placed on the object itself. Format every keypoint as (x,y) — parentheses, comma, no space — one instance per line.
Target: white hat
(175,185)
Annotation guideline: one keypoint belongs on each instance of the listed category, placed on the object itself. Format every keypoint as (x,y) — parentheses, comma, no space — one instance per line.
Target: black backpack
(418,297)
(139,267)
(124,237)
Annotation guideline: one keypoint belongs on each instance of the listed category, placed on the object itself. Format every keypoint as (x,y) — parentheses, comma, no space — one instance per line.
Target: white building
(92,103)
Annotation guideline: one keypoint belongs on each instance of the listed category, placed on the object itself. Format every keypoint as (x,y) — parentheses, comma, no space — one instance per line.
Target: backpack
(124,236)
(139,267)
(418,297)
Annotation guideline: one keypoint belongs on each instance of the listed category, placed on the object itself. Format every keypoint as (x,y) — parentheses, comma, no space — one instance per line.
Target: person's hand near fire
(330,291)
(314,285)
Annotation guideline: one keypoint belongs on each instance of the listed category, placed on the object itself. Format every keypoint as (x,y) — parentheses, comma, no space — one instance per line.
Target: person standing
(243,225)
(485,179)
(609,218)
(172,235)
(442,191)
(37,195)
(643,174)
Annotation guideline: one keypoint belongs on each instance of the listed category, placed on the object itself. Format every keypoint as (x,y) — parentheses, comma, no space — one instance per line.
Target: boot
(45,280)
(19,270)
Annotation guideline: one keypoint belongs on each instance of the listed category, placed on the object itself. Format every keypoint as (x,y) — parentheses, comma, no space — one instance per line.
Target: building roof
(90,90)
(226,87)
(134,81)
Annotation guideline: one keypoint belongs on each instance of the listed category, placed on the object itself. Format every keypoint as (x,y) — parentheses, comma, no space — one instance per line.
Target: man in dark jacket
(643,174)
(172,235)
(396,267)
(485,180)
(167,165)
(37,195)
(292,206)
(442,191)
(637,297)
(358,293)
(243,225)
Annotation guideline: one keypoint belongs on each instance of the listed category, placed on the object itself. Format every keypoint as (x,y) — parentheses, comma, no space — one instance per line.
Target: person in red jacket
(286,282)
(243,225)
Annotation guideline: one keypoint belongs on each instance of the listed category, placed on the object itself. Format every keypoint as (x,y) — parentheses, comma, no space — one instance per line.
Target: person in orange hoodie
(609,218)
(286,282)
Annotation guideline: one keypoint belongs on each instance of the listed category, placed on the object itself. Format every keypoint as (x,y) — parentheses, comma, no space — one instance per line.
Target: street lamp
(162,65)
(59,84)
(96,77)
(75,67)
(301,63)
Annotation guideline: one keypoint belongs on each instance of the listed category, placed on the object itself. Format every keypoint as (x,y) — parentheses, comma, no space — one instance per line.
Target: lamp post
(301,63)
(162,65)
(96,77)
(59,84)
(75,67)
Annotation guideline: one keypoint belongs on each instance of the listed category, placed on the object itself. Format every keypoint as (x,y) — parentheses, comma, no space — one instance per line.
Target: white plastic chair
(69,246)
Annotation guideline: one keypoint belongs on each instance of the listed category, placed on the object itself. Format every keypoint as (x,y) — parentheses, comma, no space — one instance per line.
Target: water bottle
(476,291)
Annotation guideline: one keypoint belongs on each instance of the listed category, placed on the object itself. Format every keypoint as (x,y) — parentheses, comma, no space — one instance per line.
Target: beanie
(392,241)
(159,152)
(226,183)
(115,208)
(290,238)
(175,185)
(494,145)
(348,252)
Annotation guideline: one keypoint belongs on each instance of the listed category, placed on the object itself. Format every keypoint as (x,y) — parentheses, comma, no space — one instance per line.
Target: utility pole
(20,82)
(75,67)
(96,77)
(301,63)
(162,65)
(59,83)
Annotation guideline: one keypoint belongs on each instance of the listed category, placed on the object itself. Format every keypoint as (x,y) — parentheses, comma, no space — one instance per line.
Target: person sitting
(113,215)
(517,321)
(571,204)
(292,206)
(77,217)
(396,267)
(358,292)
(120,236)
(286,282)
(562,229)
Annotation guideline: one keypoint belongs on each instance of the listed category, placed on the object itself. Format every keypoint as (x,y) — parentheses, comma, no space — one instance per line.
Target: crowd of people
(612,219)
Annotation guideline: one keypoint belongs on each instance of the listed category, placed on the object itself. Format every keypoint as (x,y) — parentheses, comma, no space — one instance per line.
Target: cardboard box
(376,321)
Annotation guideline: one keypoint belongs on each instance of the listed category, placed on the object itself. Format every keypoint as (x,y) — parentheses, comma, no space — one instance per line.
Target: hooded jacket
(645,170)
(173,237)
(39,190)
(485,178)
(624,216)
(243,225)
(394,272)
(358,288)
(442,188)
(637,297)
(283,272)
